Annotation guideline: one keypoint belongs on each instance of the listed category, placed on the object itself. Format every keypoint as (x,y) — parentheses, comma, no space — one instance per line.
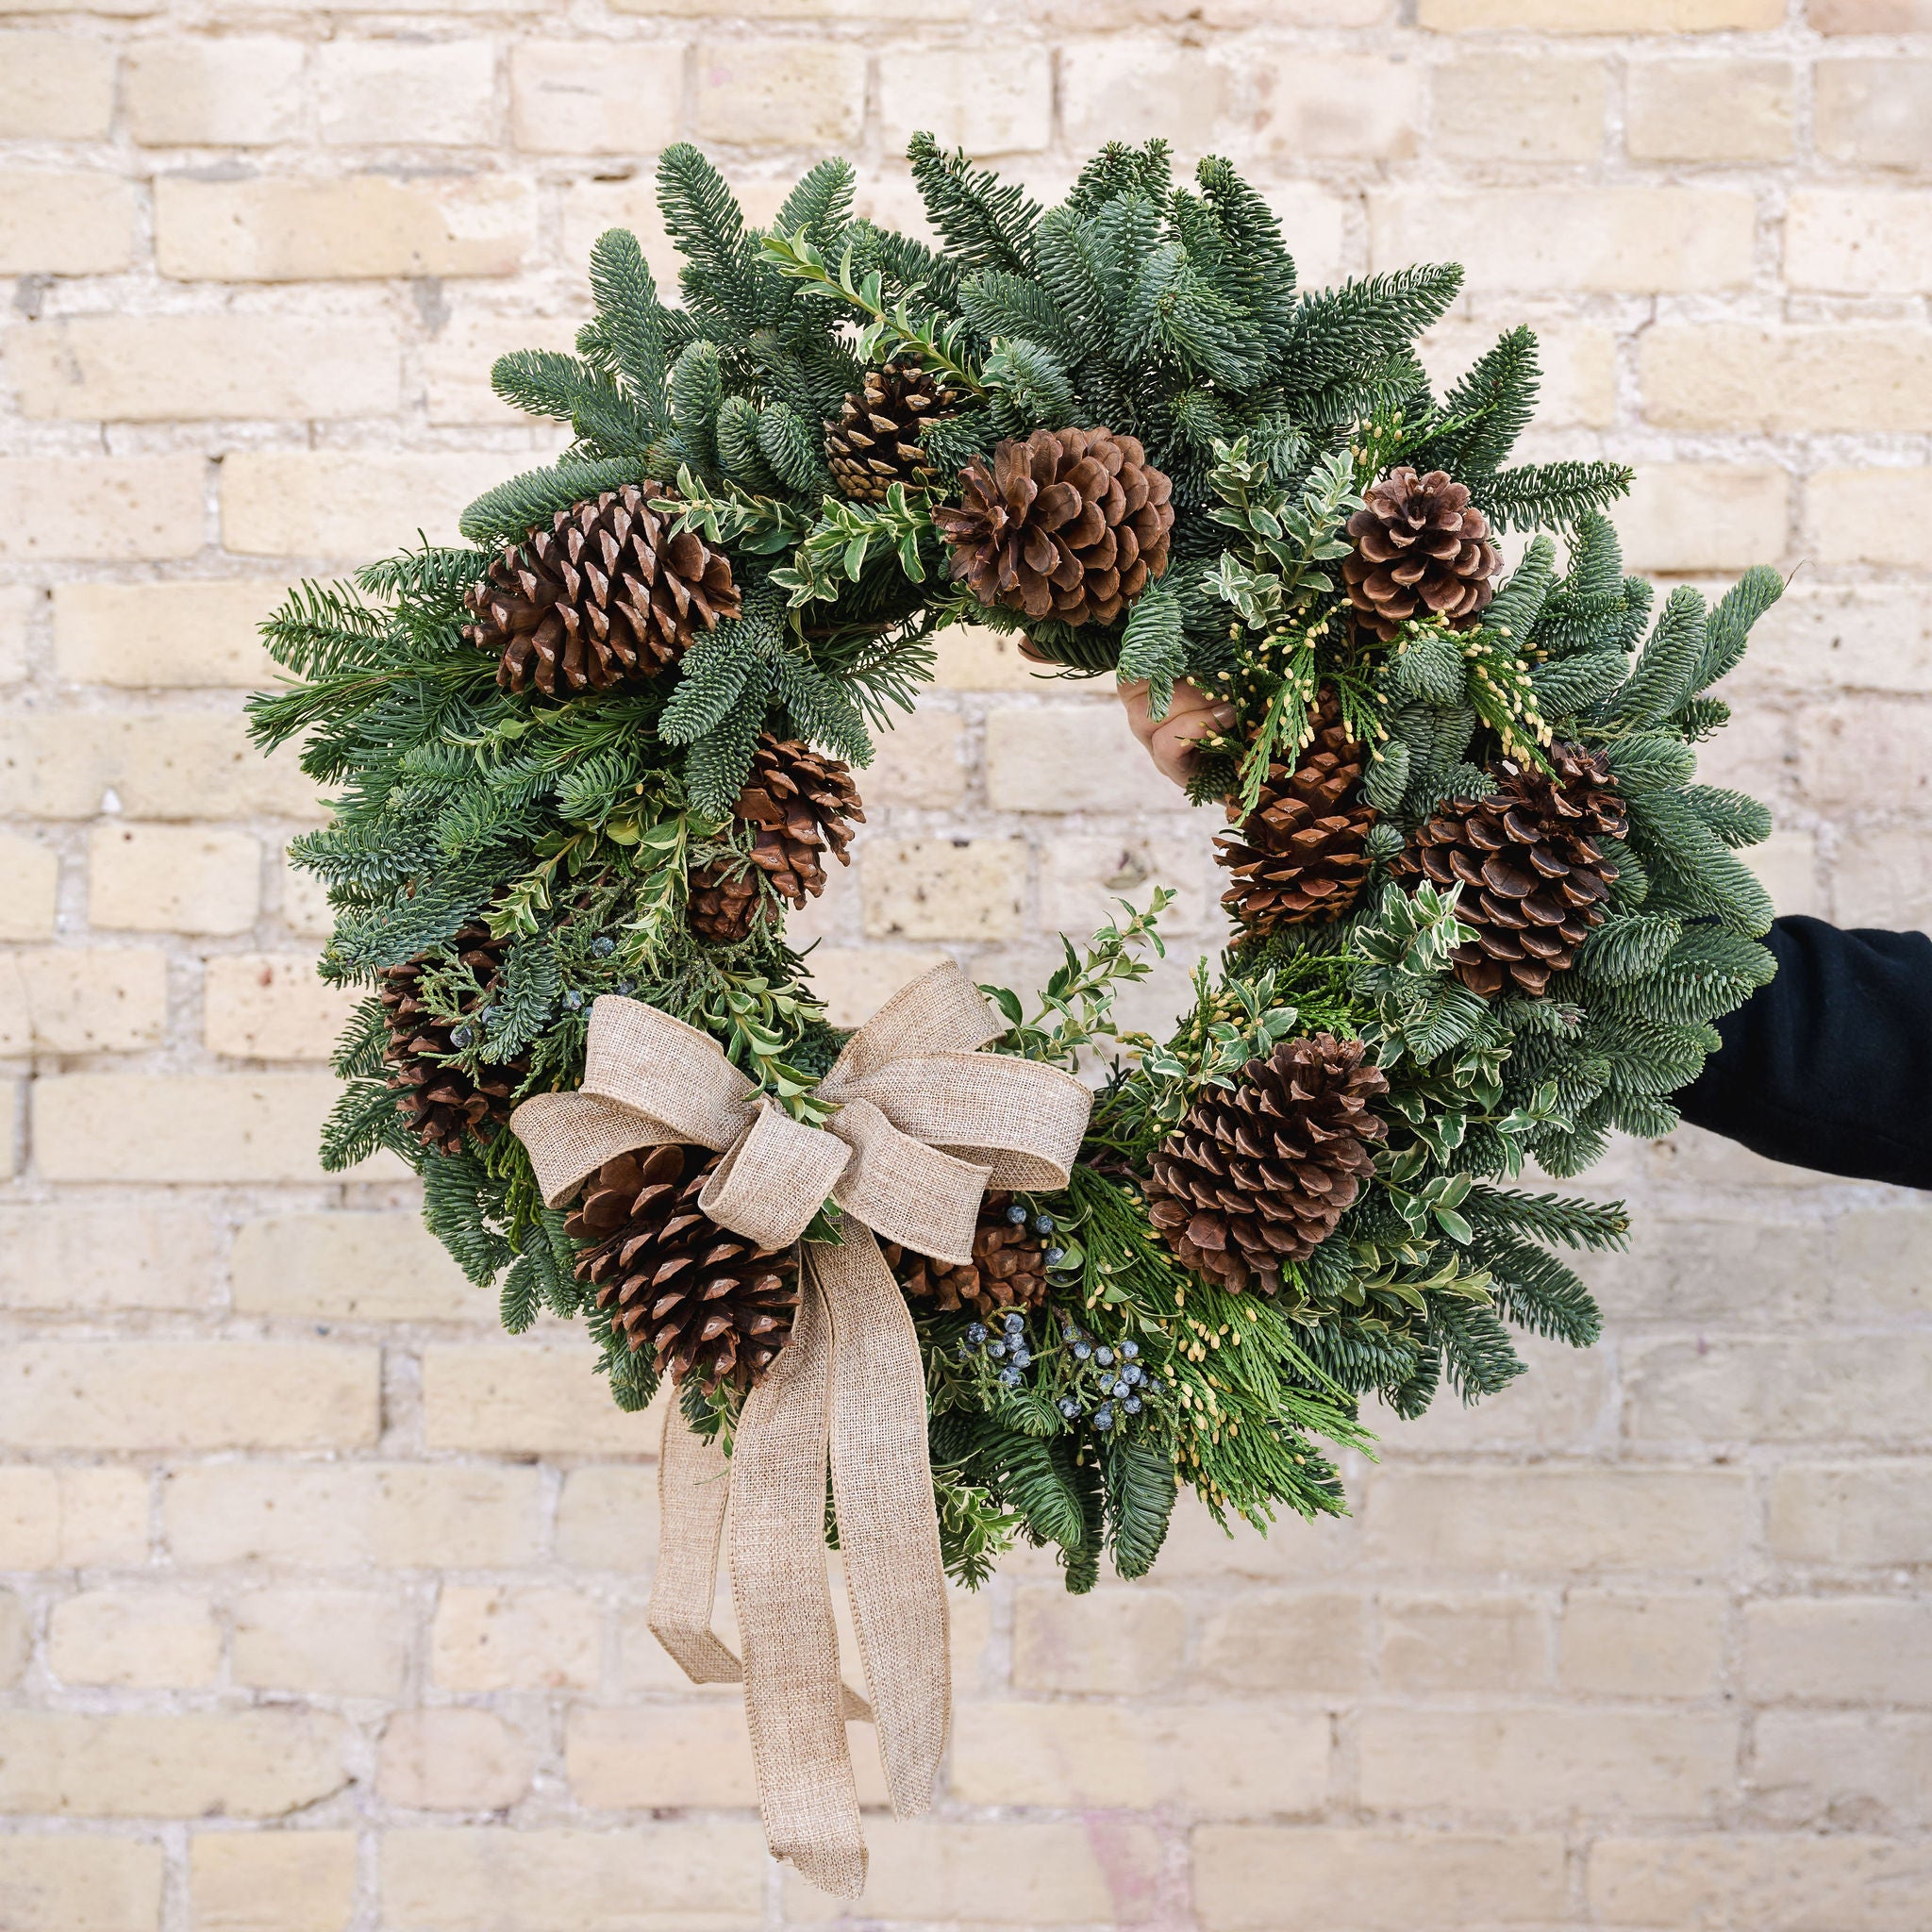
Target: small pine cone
(874,444)
(1533,882)
(1007,1269)
(1300,857)
(442,1102)
(607,595)
(799,802)
(1258,1174)
(705,1301)
(1420,550)
(1070,524)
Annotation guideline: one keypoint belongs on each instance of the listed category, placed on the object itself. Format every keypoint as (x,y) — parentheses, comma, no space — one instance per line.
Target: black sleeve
(1830,1065)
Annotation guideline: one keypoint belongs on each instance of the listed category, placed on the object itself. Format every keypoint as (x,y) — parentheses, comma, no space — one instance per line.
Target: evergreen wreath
(1484,914)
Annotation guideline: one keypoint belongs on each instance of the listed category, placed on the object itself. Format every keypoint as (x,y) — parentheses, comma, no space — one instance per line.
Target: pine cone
(1007,1268)
(1534,884)
(607,595)
(1419,548)
(442,1103)
(1260,1173)
(1299,858)
(874,444)
(800,801)
(705,1302)
(1070,524)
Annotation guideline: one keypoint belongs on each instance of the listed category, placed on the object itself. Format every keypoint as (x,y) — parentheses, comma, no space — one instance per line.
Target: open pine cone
(1257,1174)
(1534,883)
(443,1103)
(1420,549)
(799,802)
(1070,524)
(705,1302)
(874,444)
(1007,1269)
(1299,858)
(609,594)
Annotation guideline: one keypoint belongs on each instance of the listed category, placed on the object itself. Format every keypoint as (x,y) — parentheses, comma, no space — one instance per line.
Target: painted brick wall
(320,1601)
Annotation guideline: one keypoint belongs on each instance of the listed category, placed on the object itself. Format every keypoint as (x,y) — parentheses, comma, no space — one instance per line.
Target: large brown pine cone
(1070,524)
(1299,858)
(1533,882)
(874,444)
(609,594)
(1007,1268)
(799,801)
(1257,1174)
(705,1301)
(443,1103)
(1420,550)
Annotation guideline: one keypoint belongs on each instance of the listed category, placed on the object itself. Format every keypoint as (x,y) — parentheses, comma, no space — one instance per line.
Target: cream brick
(351,1267)
(29,881)
(590,208)
(1566,1402)
(394,1515)
(1118,1641)
(285,1881)
(624,101)
(284,230)
(246,1763)
(1509,108)
(339,1642)
(856,981)
(189,1395)
(1787,866)
(1882,878)
(998,101)
(1069,758)
(1031,1874)
(104,509)
(171,368)
(1880,1261)
(1838,1650)
(453,1759)
(1846,752)
(1684,517)
(1132,88)
(64,224)
(1284,1640)
(1463,1643)
(82,999)
(241,90)
(529,1398)
(934,888)
(172,878)
(816,11)
(116,8)
(1859,241)
(607,1517)
(145,1640)
(790,93)
(1865,516)
(76,1884)
(20,607)
(1342,105)
(1556,1518)
(390,92)
(1316,227)
(1776,1391)
(1869,16)
(56,87)
(342,503)
(1623,1644)
(456,365)
(271,1006)
(919,762)
(306,909)
(139,636)
(1601,16)
(71,1519)
(691,1874)
(1705,111)
(1870,1768)
(1873,113)
(1083,878)
(971,658)
(1724,376)
(1375,1881)
(16,1639)
(514,1640)
(1615,240)
(1862,1884)
(658,1756)
(1212,1761)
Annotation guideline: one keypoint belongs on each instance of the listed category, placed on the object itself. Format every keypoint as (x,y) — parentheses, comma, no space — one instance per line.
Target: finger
(1173,741)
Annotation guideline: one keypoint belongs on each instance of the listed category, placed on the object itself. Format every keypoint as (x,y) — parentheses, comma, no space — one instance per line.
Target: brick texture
(322,1603)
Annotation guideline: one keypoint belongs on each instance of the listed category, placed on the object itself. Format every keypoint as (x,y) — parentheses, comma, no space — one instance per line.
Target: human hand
(1170,740)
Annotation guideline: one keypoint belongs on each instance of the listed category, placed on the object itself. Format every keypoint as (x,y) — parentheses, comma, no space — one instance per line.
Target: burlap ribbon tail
(924,1123)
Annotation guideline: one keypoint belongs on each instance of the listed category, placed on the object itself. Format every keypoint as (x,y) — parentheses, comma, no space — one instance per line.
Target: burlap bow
(925,1124)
